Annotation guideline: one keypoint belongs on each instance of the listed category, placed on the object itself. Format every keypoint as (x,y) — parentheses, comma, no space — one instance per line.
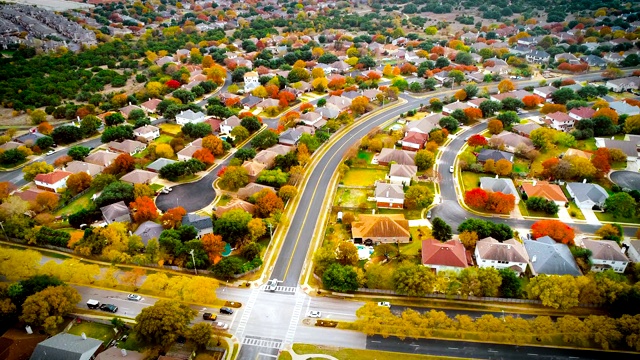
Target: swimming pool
(364,252)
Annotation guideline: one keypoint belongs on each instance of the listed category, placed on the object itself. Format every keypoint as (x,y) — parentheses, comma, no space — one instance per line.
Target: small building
(54,181)
(495,155)
(632,249)
(101,158)
(229,124)
(159,164)
(544,190)
(623,84)
(187,153)
(125,111)
(546,256)
(500,255)
(251,81)
(525,129)
(65,346)
(545,92)
(253,169)
(402,174)
(379,229)
(17,344)
(150,105)
(139,176)
(560,121)
(390,196)
(502,185)
(586,195)
(85,167)
(149,230)
(628,147)
(606,255)
(266,158)
(510,141)
(148,132)
(116,212)
(414,141)
(581,113)
(450,108)
(440,256)
(203,224)
(252,189)
(113,353)
(130,147)
(289,137)
(313,118)
(188,116)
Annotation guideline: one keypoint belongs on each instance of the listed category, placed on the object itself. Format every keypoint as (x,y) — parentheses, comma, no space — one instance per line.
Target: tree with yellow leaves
(387,71)
(506,85)
(320,84)
(317,73)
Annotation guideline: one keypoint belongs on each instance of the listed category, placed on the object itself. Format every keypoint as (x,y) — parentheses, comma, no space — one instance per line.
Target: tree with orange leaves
(268,202)
(62,161)
(373,75)
(608,113)
(549,167)
(121,165)
(506,85)
(231,102)
(5,188)
(476,198)
(337,83)
(555,229)
(500,203)
(46,201)
(272,91)
(408,69)
(213,245)
(460,95)
(477,140)
(549,108)
(602,160)
(204,155)
(143,209)
(531,101)
(45,128)
(473,113)
(172,217)
(213,144)
(359,105)
(285,98)
(78,182)
(495,126)
(306,107)
(289,118)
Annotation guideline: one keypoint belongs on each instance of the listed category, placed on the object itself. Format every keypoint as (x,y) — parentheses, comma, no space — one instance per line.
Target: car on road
(314,314)
(384,303)
(451,169)
(226,310)
(166,190)
(51,152)
(429,214)
(109,308)
(272,285)
(134,297)
(93,304)
(221,325)
(209,316)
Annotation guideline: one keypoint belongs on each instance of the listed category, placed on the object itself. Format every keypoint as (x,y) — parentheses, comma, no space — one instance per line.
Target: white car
(51,152)
(384,303)
(134,297)
(272,285)
(451,169)
(221,325)
(314,314)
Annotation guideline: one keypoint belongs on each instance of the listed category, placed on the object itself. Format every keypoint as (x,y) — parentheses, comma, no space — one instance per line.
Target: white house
(228,124)
(402,174)
(560,121)
(188,116)
(53,181)
(389,195)
(632,249)
(587,195)
(605,255)
(623,84)
(251,81)
(509,254)
(148,132)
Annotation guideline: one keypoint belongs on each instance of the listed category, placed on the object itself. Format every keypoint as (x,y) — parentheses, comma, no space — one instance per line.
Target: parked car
(429,214)
(226,310)
(134,297)
(51,152)
(221,325)
(109,308)
(93,304)
(315,314)
(451,169)
(384,303)
(209,316)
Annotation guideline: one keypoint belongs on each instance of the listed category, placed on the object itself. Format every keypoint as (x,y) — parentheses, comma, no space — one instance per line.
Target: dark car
(226,310)
(209,316)
(109,307)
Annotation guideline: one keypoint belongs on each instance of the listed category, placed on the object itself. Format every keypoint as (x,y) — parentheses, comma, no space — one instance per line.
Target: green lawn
(365,155)
(521,166)
(408,214)
(525,212)
(132,344)
(156,187)
(163,139)
(363,177)
(356,354)
(536,166)
(573,208)
(470,180)
(587,145)
(352,197)
(224,200)
(94,330)
(621,165)
(603,216)
(82,202)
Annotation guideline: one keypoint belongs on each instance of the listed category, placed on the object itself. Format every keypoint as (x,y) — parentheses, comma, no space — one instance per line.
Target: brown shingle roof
(369,226)
(545,190)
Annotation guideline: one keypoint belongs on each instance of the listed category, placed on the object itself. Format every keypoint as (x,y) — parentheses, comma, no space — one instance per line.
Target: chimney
(534,258)
(124,352)
(84,336)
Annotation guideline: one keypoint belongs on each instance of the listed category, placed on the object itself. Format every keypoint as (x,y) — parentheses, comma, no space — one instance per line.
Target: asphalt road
(477,350)
(626,179)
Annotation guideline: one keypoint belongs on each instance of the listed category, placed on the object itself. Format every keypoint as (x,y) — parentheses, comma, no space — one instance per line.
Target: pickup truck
(93,304)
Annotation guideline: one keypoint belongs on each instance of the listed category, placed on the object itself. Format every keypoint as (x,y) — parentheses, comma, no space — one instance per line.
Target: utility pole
(193,258)
(4,232)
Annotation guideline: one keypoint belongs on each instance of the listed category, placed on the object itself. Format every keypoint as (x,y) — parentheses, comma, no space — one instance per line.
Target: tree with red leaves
(230,102)
(204,155)
(172,217)
(143,209)
(172,84)
(602,160)
(213,245)
(476,198)
(555,229)
(531,101)
(272,91)
(500,203)
(473,113)
(121,165)
(477,140)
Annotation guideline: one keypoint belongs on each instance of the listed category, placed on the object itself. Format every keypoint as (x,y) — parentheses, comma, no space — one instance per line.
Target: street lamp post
(270,225)
(193,258)
(4,232)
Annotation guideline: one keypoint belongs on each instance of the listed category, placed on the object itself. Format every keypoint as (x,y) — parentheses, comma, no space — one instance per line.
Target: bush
(48,236)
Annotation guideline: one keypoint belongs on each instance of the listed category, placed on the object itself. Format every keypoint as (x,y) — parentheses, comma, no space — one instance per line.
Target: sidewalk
(295,356)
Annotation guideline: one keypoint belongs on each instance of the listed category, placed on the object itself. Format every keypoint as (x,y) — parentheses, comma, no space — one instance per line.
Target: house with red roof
(53,181)
(582,112)
(414,141)
(560,121)
(544,190)
(448,255)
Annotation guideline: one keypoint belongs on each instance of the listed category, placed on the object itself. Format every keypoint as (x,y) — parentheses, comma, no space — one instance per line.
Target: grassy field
(356,354)
(132,344)
(525,212)
(536,166)
(470,180)
(365,155)
(352,197)
(163,139)
(603,216)
(82,202)
(587,145)
(520,166)
(94,330)
(363,177)
(408,214)
(172,129)
(156,187)
(285,355)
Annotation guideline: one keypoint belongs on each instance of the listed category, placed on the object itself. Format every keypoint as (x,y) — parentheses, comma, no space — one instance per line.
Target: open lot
(93,330)
(363,177)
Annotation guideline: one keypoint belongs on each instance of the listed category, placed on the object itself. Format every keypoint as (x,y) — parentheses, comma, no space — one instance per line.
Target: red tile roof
(450,253)
(52,177)
(583,112)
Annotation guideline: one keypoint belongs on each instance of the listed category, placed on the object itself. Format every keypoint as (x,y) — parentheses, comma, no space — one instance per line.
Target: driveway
(563,215)
(590,216)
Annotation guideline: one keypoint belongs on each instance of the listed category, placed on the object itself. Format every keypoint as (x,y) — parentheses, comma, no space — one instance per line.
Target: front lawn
(575,212)
(365,155)
(587,145)
(363,177)
(156,187)
(536,166)
(163,139)
(93,330)
(470,180)
(522,206)
(408,214)
(353,197)
(83,202)
(604,216)
(521,166)
(172,129)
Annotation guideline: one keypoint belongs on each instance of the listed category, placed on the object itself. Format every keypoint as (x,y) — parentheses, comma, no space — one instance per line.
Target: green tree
(418,197)
(508,118)
(489,107)
(620,205)
(441,230)
(48,307)
(228,267)
(114,119)
(340,278)
(201,334)
(232,226)
(347,253)
(89,125)
(563,95)
(424,159)
(38,116)
(114,192)
(511,286)
(234,177)
(414,280)
(40,167)
(78,152)
(164,322)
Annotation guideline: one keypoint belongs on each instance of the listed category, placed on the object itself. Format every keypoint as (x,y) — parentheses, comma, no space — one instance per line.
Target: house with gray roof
(402,174)
(510,141)
(606,255)
(139,176)
(403,157)
(495,155)
(289,137)
(549,257)
(328,111)
(149,230)
(632,249)
(65,346)
(390,196)
(159,164)
(426,124)
(504,185)
(29,138)
(500,255)
(525,129)
(189,116)
(203,224)
(81,166)
(116,212)
(587,195)
(627,147)
(621,107)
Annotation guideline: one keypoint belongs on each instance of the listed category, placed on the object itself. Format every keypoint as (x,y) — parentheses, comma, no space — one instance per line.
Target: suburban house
(313,118)
(228,124)
(450,108)
(390,196)
(414,141)
(65,346)
(54,181)
(544,190)
(251,189)
(538,56)
(586,195)
(546,256)
(214,123)
(502,185)
(378,229)
(148,132)
(510,141)
(125,111)
(579,153)
(559,121)
(159,164)
(187,153)
(253,169)
(623,108)
(130,147)
(149,230)
(81,166)
(582,112)
(150,105)
(250,102)
(623,84)
(116,212)
(101,157)
(628,147)
(402,157)
(266,158)
(402,174)
(449,255)
(516,94)
(499,255)
(235,204)
(251,81)
(139,176)
(605,255)
(495,155)
(632,249)
(545,92)
(188,116)
(289,137)
(17,344)
(525,129)
(203,224)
